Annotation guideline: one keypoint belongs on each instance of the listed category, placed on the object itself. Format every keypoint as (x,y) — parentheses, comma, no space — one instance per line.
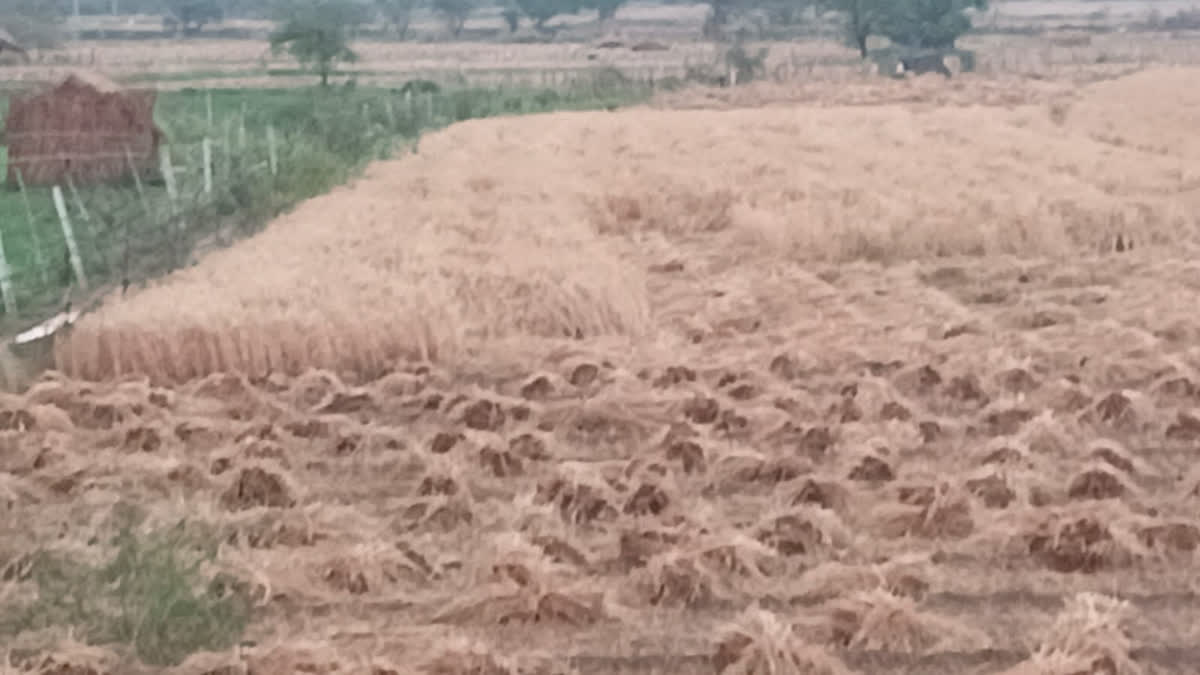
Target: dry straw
(504,233)
(1090,635)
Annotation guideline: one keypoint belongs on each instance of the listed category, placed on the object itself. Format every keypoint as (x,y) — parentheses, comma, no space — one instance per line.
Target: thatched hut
(86,127)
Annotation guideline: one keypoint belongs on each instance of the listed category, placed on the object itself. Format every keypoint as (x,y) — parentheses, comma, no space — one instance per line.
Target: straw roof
(89,78)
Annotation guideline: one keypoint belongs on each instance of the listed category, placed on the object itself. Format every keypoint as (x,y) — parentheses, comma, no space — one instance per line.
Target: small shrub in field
(313,170)
(153,595)
(748,67)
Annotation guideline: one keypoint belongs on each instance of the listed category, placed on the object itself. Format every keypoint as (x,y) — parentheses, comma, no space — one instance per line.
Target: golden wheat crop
(545,226)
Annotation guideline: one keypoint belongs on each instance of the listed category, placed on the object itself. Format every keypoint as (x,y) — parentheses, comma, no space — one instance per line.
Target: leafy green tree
(397,14)
(928,24)
(862,19)
(454,13)
(317,33)
(918,24)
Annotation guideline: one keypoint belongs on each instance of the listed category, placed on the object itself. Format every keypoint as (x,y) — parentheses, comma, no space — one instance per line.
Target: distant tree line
(193,15)
(920,24)
(911,23)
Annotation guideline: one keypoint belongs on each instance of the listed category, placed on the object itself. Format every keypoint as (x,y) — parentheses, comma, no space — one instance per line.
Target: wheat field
(504,230)
(856,384)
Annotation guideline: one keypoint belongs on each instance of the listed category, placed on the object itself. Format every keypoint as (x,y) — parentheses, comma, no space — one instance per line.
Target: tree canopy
(919,24)
(929,24)
(317,32)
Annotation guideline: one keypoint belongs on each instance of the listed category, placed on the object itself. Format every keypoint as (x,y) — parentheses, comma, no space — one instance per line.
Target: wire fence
(71,242)
(81,240)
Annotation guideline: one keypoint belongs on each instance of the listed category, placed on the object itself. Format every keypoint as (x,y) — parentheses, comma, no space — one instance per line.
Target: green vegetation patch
(153,593)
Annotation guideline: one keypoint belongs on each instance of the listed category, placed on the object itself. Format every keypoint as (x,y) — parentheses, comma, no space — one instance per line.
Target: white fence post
(168,172)
(10,301)
(69,234)
(208,172)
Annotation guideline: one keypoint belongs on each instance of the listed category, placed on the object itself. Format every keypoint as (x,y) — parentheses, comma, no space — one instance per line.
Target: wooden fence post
(38,260)
(72,246)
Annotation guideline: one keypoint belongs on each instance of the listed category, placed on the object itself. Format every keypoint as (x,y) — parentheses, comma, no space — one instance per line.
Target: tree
(454,13)
(916,24)
(317,32)
(397,14)
(928,24)
(863,18)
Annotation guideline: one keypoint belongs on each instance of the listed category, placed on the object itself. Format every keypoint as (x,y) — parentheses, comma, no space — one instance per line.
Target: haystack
(86,126)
